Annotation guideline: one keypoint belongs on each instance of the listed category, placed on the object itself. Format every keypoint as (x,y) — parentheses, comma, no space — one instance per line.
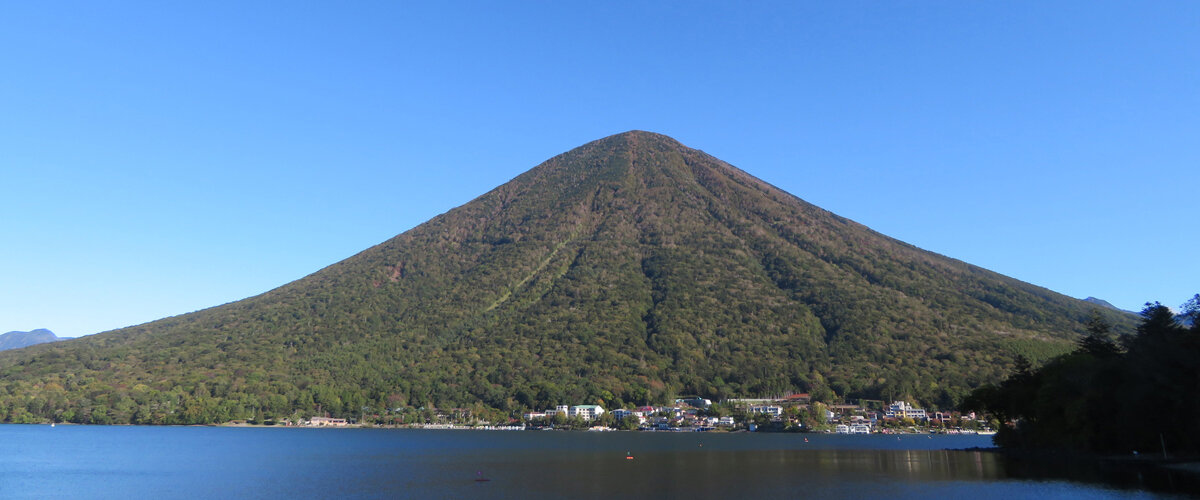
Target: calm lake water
(38,461)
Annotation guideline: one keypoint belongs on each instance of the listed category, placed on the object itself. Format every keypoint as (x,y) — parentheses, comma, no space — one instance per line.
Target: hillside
(628,270)
(17,340)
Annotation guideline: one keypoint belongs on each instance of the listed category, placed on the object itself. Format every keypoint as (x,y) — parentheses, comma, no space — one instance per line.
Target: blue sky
(156,159)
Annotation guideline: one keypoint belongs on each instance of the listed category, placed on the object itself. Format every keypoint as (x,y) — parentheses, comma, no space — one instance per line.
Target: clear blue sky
(162,157)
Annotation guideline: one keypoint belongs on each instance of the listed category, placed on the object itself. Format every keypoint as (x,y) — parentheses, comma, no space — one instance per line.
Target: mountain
(1183,319)
(17,340)
(1100,302)
(1105,304)
(629,270)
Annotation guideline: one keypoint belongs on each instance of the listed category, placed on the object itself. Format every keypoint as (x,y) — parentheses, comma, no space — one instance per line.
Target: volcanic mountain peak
(627,270)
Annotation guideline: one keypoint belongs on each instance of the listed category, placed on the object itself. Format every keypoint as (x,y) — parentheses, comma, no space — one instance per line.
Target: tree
(1191,312)
(762,420)
(1098,341)
(1158,323)
(629,423)
(1022,367)
(607,419)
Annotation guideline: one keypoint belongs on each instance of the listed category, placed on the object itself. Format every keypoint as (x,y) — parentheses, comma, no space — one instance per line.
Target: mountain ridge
(627,270)
(17,339)
(1105,304)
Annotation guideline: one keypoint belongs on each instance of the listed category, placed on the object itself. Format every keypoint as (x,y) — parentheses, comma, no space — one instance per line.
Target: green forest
(627,271)
(1124,394)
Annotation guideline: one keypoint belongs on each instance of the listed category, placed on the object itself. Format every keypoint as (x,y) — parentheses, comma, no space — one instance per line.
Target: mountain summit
(629,270)
(17,340)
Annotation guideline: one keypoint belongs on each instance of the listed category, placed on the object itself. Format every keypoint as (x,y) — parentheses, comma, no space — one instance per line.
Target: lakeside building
(327,422)
(901,409)
(750,401)
(863,420)
(586,412)
(801,398)
(771,410)
(688,413)
(696,402)
(622,414)
(645,411)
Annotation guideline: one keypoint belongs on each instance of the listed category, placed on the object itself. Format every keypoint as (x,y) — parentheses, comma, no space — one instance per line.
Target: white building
(773,411)
(901,409)
(586,412)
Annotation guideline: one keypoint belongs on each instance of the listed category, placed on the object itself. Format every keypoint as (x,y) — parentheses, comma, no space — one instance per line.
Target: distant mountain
(17,340)
(629,270)
(1105,304)
(1182,319)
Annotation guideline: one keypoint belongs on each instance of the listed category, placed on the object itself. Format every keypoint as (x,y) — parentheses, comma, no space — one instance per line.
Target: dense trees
(1141,394)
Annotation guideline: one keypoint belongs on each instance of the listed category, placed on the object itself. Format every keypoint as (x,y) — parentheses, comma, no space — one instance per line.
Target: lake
(39,461)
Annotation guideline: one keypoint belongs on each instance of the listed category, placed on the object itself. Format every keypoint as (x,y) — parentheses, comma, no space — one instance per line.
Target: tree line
(1122,394)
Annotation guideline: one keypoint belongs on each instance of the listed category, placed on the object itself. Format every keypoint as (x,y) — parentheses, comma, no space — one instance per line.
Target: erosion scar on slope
(542,265)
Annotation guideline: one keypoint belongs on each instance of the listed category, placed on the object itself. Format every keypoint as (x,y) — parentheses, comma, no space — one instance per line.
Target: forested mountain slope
(625,271)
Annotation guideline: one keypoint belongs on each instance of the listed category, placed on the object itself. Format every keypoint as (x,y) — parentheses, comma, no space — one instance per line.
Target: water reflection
(763,472)
(188,462)
(1122,475)
(728,471)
